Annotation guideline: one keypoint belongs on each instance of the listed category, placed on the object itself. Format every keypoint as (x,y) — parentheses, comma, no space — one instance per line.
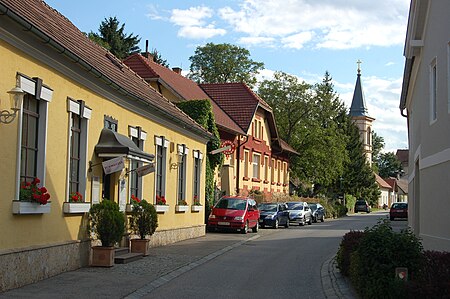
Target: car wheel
(310,221)
(315,219)
(323,218)
(287,224)
(255,228)
(244,231)
(261,226)
(303,222)
(392,218)
(276,224)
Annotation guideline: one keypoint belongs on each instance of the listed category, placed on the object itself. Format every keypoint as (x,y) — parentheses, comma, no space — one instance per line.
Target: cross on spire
(359,66)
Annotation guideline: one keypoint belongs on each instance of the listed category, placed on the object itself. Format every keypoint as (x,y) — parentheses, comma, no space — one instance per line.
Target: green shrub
(380,251)
(349,244)
(144,219)
(106,222)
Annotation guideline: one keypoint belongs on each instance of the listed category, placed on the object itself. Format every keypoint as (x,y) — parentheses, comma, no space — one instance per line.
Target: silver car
(299,212)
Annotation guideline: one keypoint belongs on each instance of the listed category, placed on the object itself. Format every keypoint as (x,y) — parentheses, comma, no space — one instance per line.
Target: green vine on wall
(201,112)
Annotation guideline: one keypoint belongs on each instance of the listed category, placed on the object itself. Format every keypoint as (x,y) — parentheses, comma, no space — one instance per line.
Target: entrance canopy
(113,144)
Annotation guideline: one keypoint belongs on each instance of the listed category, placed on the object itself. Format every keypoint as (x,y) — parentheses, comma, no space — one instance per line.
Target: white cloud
(153,13)
(298,40)
(200,32)
(337,24)
(193,24)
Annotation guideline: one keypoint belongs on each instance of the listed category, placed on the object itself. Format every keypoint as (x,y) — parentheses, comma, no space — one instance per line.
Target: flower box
(196,208)
(181,208)
(27,207)
(76,207)
(161,208)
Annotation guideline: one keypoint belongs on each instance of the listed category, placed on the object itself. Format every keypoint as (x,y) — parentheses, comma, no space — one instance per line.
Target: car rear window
(400,206)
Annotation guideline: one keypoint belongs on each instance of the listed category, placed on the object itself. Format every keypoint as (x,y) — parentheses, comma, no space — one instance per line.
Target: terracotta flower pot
(140,246)
(103,256)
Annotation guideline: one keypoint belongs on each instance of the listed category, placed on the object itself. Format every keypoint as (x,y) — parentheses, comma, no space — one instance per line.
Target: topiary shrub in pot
(107,224)
(143,223)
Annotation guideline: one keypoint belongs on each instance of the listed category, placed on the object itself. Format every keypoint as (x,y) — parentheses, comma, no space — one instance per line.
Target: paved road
(279,263)
(283,263)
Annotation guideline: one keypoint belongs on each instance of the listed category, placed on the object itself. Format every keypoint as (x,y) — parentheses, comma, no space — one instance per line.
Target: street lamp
(16,96)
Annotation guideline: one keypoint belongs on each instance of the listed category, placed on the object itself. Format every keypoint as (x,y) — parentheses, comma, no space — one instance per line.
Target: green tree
(158,58)
(389,165)
(112,36)
(223,63)
(307,118)
(377,147)
(358,178)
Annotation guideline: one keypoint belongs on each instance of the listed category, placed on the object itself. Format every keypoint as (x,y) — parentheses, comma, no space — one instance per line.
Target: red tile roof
(382,183)
(185,88)
(403,156)
(61,33)
(237,100)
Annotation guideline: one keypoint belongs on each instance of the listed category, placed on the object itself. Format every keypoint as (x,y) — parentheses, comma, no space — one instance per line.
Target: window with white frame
(198,156)
(182,153)
(161,165)
(256,165)
(246,164)
(433,91)
(266,168)
(272,170)
(33,130)
(279,172)
(79,116)
(285,173)
(135,182)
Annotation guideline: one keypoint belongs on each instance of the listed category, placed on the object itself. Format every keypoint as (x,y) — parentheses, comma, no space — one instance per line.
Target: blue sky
(300,37)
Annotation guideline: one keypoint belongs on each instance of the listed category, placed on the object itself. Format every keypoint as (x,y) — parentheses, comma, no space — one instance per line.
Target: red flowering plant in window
(135,200)
(196,201)
(31,192)
(75,197)
(161,200)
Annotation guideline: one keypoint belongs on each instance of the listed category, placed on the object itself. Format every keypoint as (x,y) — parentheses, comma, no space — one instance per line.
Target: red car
(234,213)
(398,210)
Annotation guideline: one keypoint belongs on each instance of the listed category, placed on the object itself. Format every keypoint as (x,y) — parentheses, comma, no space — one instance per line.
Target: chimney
(147,54)
(177,70)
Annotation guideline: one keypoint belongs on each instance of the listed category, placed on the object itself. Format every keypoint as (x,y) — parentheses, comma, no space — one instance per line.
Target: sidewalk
(140,278)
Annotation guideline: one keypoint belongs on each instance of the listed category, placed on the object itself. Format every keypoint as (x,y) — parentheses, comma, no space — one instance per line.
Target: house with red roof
(260,163)
(257,160)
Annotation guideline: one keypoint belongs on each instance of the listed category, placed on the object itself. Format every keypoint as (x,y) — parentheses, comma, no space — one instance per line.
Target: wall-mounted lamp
(16,96)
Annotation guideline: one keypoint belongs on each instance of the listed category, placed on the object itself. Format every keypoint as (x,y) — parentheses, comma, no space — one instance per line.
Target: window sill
(256,180)
(76,207)
(196,208)
(181,209)
(246,178)
(161,208)
(21,207)
(278,184)
(265,181)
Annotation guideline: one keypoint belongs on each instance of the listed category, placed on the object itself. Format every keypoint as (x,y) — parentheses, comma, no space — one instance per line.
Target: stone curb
(334,285)
(149,287)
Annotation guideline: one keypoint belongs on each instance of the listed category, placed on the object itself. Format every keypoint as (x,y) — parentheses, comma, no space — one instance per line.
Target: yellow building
(84,114)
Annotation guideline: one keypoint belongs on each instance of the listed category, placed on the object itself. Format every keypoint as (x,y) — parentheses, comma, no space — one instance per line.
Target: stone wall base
(169,236)
(19,267)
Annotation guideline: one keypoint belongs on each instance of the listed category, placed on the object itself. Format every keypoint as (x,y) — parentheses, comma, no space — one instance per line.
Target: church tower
(359,114)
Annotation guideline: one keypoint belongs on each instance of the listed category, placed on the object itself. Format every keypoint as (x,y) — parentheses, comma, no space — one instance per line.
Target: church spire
(358,107)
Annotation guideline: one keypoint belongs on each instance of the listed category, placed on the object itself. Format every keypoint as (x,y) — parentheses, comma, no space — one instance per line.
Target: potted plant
(161,204)
(143,222)
(107,224)
(32,199)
